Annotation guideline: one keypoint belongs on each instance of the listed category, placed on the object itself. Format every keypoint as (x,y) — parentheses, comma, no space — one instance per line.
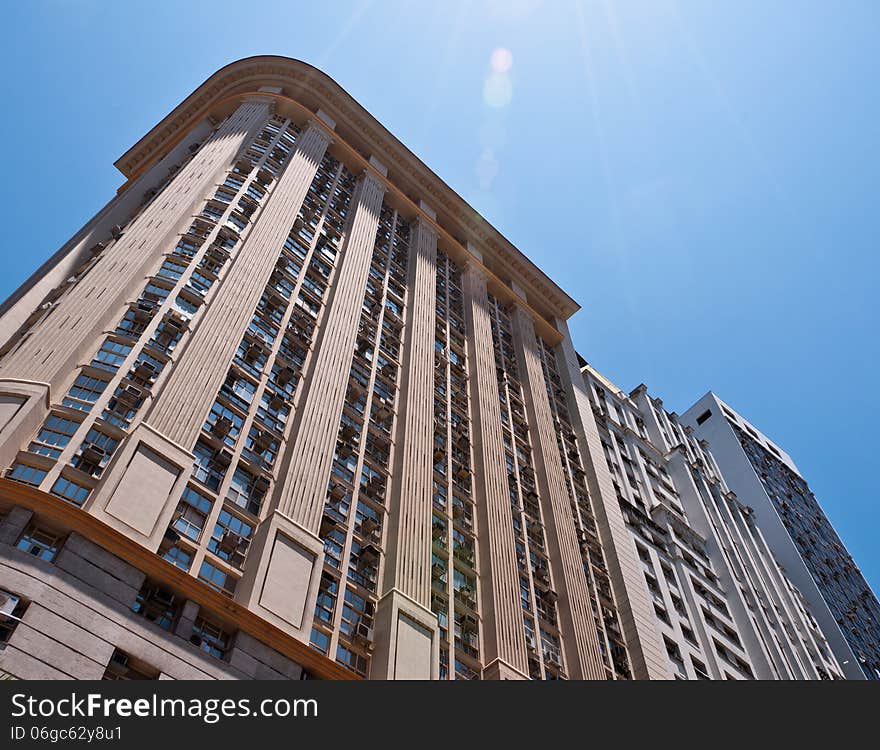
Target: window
(187,308)
(350,659)
(157,605)
(123,666)
(111,355)
(54,435)
(240,391)
(217,579)
(95,452)
(205,468)
(199,283)
(244,491)
(193,509)
(700,669)
(27,474)
(84,392)
(172,270)
(231,538)
(186,248)
(223,423)
(70,490)
(320,640)
(178,556)
(704,416)
(39,542)
(210,638)
(356,610)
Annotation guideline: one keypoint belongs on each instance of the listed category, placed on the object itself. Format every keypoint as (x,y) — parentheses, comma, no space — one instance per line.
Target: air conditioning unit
(261,485)
(8,603)
(130,395)
(221,458)
(118,664)
(221,427)
(229,542)
(382,412)
(92,454)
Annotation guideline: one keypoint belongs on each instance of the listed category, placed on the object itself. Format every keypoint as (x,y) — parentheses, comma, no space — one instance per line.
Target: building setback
(724,608)
(797,531)
(288,406)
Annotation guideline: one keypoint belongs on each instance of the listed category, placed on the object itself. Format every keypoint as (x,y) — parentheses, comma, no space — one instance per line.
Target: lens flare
(501,60)
(497,91)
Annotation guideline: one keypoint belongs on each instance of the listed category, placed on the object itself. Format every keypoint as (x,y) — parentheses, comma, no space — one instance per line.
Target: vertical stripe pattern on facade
(573,592)
(48,352)
(311,451)
(503,630)
(637,618)
(408,567)
(193,384)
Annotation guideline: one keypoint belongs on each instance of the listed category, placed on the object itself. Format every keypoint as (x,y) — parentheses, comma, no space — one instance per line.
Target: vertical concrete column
(580,641)
(186,619)
(23,407)
(504,641)
(13,526)
(407,576)
(180,407)
(58,343)
(281,579)
(310,453)
(637,618)
(408,563)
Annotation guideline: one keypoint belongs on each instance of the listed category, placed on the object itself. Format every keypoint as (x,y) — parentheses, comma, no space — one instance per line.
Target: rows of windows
(538,597)
(212,243)
(360,471)
(605,615)
(245,428)
(454,596)
(849,597)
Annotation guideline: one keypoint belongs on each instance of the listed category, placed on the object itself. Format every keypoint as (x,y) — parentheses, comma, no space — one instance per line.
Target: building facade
(724,608)
(797,531)
(288,406)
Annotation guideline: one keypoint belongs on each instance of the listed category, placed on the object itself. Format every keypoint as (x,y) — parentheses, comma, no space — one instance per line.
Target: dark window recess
(158,605)
(123,666)
(12,609)
(704,416)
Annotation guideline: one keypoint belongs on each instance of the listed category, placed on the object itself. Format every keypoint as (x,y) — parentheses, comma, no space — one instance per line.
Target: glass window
(217,579)
(27,474)
(84,392)
(39,543)
(70,490)
(210,638)
(111,355)
(54,435)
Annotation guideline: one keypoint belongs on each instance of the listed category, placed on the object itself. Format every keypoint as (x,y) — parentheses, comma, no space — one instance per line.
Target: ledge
(70,517)
(412,178)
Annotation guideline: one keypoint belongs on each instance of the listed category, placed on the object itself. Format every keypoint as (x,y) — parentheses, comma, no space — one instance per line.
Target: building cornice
(315,90)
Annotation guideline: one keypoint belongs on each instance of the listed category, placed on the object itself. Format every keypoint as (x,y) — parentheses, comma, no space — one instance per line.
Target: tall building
(724,607)
(288,406)
(797,531)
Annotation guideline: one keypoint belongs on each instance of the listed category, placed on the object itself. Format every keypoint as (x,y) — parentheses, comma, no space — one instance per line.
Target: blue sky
(700,176)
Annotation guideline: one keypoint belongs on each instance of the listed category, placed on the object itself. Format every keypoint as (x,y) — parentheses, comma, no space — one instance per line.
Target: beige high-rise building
(287,406)
(724,606)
